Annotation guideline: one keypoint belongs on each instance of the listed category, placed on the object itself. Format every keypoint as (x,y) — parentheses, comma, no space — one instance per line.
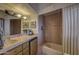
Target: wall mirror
(25,25)
(15,26)
(33,24)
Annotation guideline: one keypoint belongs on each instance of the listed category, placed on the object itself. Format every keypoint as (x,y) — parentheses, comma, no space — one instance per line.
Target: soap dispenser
(30,32)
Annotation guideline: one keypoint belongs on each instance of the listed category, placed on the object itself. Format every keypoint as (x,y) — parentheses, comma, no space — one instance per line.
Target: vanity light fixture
(18,15)
(9,12)
(24,17)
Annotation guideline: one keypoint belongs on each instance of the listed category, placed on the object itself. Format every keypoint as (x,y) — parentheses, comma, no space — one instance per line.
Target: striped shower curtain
(71,30)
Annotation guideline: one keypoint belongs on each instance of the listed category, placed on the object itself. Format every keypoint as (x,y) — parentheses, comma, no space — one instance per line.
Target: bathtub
(52,49)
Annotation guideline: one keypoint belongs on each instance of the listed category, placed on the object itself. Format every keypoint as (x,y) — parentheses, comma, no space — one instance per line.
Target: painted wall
(7,27)
(40,34)
(40,29)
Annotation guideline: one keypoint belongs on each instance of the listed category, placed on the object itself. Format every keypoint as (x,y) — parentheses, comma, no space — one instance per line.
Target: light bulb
(24,17)
(19,15)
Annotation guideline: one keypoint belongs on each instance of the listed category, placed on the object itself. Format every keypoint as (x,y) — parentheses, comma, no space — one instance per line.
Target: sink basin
(11,41)
(14,41)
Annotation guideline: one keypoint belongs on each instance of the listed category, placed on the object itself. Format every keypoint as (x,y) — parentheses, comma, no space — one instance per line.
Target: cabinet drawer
(18,48)
(11,52)
(33,47)
(33,50)
(26,52)
(14,51)
(26,45)
(19,53)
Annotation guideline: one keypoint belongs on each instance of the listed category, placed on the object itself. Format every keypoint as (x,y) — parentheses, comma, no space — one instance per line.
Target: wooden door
(53,27)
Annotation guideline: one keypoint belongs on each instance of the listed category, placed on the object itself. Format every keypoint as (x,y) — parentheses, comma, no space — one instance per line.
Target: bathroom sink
(15,41)
(10,41)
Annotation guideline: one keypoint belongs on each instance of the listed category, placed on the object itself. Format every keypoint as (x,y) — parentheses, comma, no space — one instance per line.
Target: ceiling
(39,6)
(21,8)
(43,8)
(32,8)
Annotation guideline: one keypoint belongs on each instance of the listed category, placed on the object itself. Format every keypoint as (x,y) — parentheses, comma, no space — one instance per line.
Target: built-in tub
(52,49)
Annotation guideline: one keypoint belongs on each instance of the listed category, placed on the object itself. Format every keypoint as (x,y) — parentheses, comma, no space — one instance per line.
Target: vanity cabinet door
(11,52)
(33,46)
(26,48)
(20,53)
(18,48)
(26,51)
(14,51)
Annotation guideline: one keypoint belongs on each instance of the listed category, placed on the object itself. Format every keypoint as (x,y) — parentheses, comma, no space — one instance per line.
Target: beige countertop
(13,42)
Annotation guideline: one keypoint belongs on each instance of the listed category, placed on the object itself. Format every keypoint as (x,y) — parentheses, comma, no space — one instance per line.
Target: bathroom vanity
(21,37)
(23,45)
